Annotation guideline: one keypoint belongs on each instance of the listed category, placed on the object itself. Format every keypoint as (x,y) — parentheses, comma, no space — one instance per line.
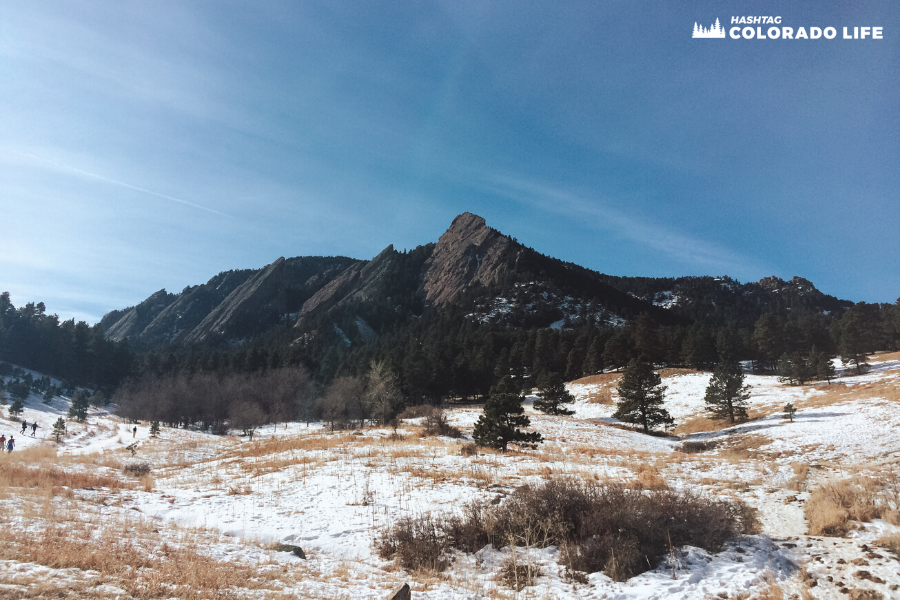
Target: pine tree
(79,406)
(646,339)
(552,394)
(824,367)
(59,428)
(789,411)
(769,339)
(502,418)
(726,395)
(593,362)
(617,348)
(154,428)
(16,408)
(819,365)
(641,396)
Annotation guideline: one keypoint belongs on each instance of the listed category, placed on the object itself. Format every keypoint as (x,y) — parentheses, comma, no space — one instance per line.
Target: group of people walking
(10,444)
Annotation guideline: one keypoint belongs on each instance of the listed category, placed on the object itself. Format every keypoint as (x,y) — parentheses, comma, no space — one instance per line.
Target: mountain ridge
(473,266)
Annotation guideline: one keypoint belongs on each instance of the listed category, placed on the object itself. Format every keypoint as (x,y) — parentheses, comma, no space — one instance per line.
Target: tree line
(72,351)
(446,357)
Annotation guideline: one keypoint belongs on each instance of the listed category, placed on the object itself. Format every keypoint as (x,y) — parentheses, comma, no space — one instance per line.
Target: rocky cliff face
(191,307)
(230,304)
(120,324)
(261,290)
(468,252)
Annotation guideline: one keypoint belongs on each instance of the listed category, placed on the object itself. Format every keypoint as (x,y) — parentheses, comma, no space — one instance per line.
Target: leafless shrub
(697,447)
(344,402)
(598,527)
(417,543)
(468,449)
(246,416)
(137,469)
(416,412)
(436,424)
(518,575)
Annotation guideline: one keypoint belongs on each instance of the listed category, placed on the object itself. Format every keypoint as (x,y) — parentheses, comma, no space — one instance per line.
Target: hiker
(24,425)
(10,444)
(134,432)
(34,427)
(2,442)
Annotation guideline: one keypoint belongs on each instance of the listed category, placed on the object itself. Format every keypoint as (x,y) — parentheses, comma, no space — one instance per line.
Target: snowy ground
(331,493)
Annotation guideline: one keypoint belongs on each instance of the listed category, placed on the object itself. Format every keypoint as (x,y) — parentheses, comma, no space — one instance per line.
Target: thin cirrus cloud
(75,170)
(596,213)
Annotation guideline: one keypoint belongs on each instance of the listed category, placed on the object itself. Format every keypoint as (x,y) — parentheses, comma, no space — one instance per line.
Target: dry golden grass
(801,473)
(601,396)
(612,379)
(703,423)
(832,506)
(14,477)
(890,542)
(743,447)
(50,525)
(649,478)
(143,568)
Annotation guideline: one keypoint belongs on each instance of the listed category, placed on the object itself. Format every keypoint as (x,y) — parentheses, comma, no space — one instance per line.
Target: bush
(518,575)
(598,527)
(469,449)
(696,447)
(137,469)
(436,424)
(416,412)
(418,543)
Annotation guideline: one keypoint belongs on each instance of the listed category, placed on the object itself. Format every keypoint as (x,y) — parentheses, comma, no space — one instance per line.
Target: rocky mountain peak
(469,251)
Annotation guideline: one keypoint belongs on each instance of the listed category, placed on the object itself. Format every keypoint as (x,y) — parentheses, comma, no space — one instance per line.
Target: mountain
(233,303)
(721,300)
(473,269)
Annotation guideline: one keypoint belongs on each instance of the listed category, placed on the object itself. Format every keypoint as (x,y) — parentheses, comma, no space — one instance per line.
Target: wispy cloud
(82,172)
(596,212)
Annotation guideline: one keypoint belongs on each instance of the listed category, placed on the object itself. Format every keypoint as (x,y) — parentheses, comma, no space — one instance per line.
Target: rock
(859,562)
(401,593)
(250,296)
(860,594)
(296,550)
(868,576)
(468,252)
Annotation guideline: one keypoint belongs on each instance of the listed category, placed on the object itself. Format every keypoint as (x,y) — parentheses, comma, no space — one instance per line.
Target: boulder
(401,593)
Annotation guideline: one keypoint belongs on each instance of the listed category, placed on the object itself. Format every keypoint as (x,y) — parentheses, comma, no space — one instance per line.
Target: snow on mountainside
(222,502)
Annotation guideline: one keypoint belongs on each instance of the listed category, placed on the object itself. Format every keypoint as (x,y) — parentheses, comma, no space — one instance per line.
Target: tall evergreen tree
(726,395)
(79,407)
(641,397)
(503,416)
(552,394)
(16,408)
(617,348)
(646,339)
(769,340)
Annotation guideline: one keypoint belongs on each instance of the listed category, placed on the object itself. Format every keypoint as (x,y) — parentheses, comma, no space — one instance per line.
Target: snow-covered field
(228,500)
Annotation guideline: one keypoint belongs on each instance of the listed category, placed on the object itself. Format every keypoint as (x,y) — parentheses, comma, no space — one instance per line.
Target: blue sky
(149,145)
